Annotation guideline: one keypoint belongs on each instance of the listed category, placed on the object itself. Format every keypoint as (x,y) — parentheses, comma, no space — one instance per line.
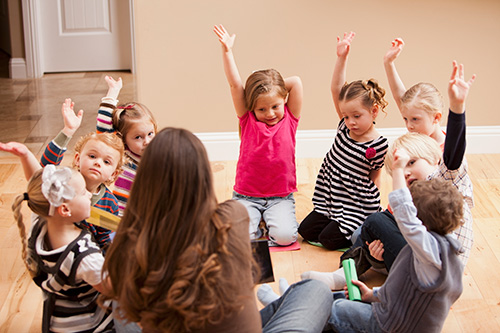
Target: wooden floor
(478,309)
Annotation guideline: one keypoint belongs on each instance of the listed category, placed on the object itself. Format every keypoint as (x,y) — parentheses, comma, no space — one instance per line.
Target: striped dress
(70,302)
(344,192)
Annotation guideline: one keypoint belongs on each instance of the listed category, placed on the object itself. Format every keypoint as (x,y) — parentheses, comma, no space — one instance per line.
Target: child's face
(358,118)
(418,169)
(139,136)
(420,121)
(97,162)
(269,108)
(80,205)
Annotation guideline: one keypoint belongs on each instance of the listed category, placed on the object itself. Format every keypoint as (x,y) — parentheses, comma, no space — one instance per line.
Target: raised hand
(344,45)
(72,121)
(396,48)
(401,158)
(15,148)
(458,88)
(376,249)
(225,39)
(114,86)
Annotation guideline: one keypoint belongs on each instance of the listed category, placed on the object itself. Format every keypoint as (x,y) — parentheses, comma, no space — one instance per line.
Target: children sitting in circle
(65,259)
(346,189)
(268,108)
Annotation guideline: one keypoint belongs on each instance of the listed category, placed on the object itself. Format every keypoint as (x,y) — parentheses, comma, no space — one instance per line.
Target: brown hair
(418,146)
(424,96)
(110,139)
(165,262)
(38,205)
(439,204)
(261,82)
(368,90)
(124,116)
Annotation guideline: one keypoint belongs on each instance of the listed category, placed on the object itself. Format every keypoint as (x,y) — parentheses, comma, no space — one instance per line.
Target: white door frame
(31,23)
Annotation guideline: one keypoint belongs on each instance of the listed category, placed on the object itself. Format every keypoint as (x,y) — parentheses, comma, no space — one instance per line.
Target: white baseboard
(224,146)
(17,68)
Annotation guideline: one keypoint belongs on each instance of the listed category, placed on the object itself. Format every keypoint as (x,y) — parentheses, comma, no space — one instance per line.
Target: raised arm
(397,87)
(54,152)
(339,71)
(231,70)
(293,85)
(458,88)
(72,121)
(28,160)
(108,104)
(454,144)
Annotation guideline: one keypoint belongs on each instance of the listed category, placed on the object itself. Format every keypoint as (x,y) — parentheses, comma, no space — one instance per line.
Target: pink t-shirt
(266,166)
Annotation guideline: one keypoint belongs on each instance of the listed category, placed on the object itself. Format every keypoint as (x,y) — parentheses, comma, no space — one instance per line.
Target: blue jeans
(277,212)
(304,307)
(352,316)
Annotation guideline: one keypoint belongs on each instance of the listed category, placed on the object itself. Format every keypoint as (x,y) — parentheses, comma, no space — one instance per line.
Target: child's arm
(339,71)
(397,87)
(293,85)
(108,103)
(28,160)
(375,177)
(54,152)
(424,246)
(231,70)
(454,145)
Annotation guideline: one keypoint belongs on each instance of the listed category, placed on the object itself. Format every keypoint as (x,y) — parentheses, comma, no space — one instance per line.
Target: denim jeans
(277,212)
(352,316)
(304,307)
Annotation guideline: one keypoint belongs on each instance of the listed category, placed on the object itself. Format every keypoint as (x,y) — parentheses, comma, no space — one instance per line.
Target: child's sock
(266,295)
(283,285)
(335,280)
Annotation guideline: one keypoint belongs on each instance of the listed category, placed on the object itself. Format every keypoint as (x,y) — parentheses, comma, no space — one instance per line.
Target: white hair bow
(55,186)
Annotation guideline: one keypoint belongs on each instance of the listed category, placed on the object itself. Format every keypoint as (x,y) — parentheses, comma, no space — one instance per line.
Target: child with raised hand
(422,105)
(182,262)
(268,108)
(346,189)
(380,240)
(62,258)
(427,271)
(136,126)
(99,158)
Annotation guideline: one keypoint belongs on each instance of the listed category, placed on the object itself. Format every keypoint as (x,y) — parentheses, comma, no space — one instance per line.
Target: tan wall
(179,67)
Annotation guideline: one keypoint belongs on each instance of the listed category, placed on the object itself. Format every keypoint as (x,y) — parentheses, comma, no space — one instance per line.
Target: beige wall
(179,67)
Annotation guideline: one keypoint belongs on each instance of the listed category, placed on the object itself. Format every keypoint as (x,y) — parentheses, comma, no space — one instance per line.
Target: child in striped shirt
(136,126)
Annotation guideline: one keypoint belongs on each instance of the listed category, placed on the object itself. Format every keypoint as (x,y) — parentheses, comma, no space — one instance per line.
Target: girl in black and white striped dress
(346,189)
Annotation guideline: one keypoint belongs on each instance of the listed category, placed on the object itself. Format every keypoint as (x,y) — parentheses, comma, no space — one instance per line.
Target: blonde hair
(418,146)
(439,204)
(110,139)
(423,96)
(262,82)
(125,116)
(368,91)
(38,205)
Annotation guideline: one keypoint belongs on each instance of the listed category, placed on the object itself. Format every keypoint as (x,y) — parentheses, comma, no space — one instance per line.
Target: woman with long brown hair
(182,262)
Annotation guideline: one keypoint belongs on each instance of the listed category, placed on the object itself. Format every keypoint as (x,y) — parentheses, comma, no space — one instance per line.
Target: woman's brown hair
(164,264)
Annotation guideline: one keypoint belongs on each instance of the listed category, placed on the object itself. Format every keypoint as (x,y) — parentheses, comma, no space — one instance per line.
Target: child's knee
(283,236)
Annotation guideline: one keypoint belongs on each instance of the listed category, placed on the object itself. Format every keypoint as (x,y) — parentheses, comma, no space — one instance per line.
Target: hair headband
(55,186)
